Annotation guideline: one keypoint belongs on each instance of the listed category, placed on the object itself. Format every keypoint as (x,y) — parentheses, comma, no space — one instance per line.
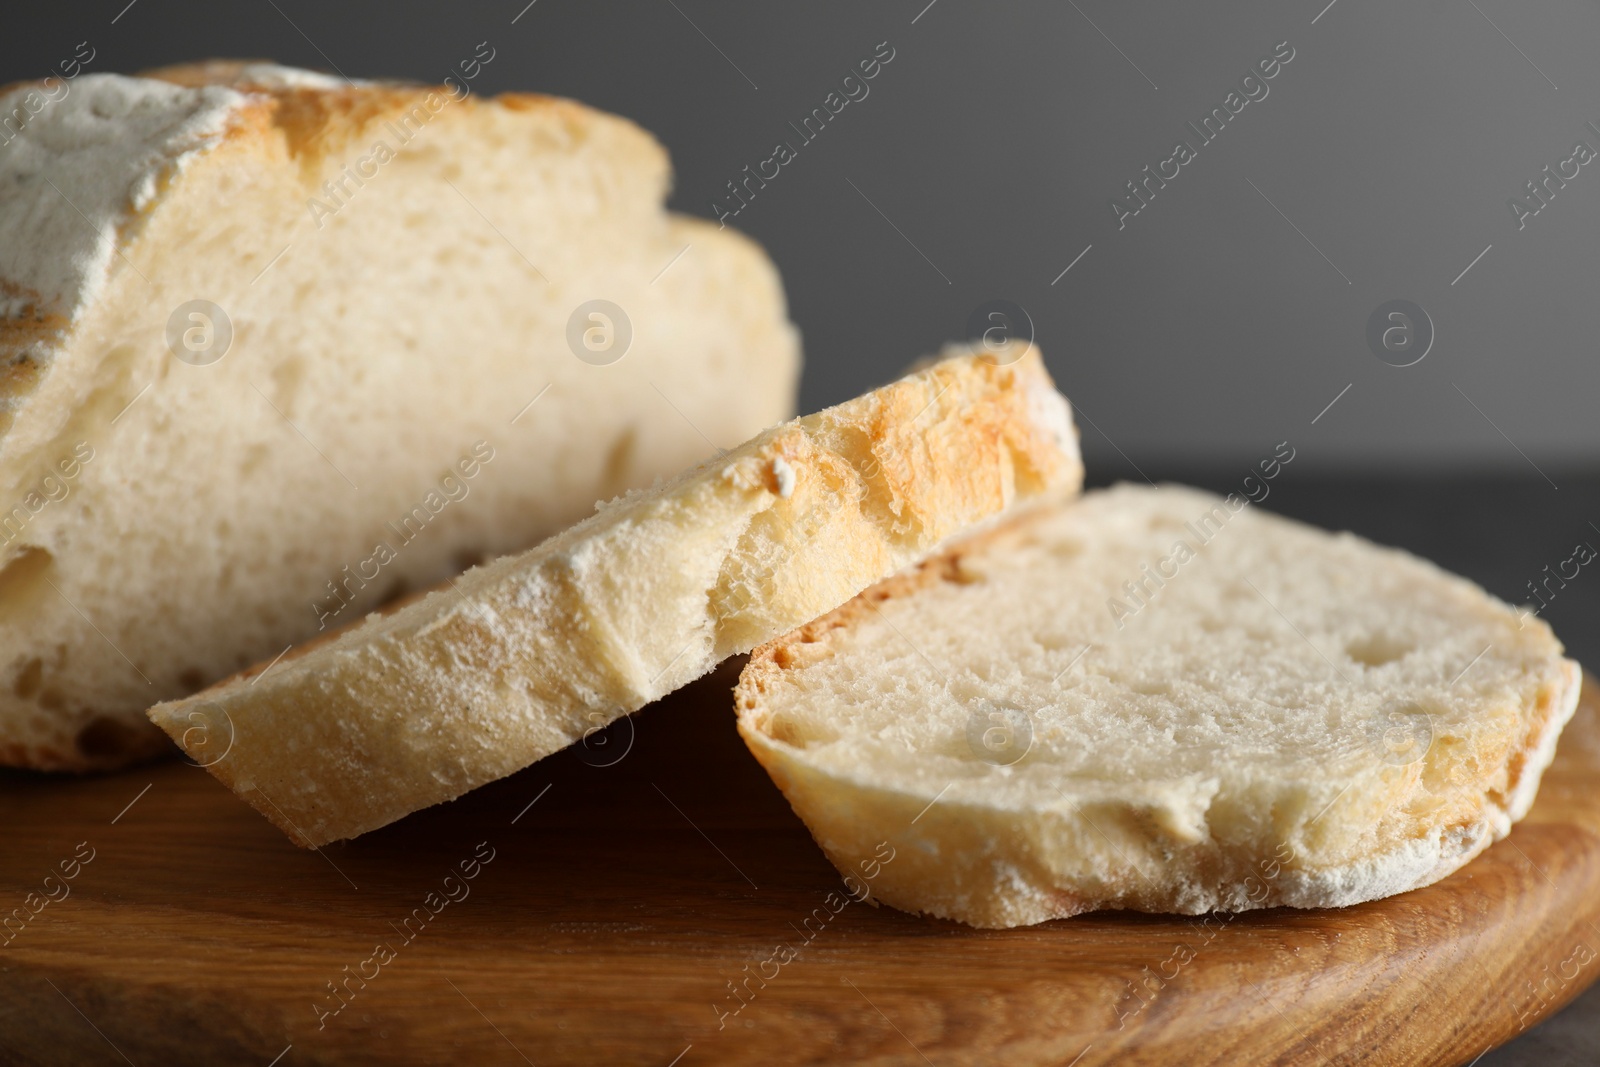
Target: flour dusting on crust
(82,166)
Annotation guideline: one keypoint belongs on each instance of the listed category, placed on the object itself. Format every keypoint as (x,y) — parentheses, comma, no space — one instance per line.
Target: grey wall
(983,159)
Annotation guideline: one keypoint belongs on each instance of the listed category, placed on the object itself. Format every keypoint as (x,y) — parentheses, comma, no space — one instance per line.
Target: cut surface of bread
(1160,700)
(523,656)
(278,347)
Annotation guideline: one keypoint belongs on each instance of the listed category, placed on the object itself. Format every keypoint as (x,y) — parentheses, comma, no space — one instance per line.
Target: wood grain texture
(618,907)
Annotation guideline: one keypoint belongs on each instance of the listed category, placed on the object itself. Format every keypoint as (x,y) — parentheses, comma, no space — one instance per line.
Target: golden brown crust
(312,123)
(24,338)
(315,121)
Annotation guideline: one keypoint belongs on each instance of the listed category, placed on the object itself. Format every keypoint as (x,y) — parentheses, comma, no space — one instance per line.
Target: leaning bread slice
(270,343)
(1159,700)
(521,657)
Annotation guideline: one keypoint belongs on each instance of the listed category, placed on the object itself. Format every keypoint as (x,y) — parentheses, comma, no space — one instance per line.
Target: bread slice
(523,656)
(399,269)
(1158,700)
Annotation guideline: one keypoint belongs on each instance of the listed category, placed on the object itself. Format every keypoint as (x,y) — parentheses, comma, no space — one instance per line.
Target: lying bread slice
(523,656)
(1159,700)
(387,276)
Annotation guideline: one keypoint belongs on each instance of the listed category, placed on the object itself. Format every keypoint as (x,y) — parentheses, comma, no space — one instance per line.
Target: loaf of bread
(523,656)
(278,347)
(1158,700)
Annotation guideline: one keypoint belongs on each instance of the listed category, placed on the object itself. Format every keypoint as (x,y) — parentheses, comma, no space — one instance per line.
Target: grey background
(1213,326)
(1206,330)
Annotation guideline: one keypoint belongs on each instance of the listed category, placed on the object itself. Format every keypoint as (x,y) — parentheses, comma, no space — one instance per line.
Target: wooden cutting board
(611,907)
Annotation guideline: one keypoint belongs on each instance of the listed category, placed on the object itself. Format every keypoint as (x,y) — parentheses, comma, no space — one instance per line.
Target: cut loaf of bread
(523,656)
(398,269)
(1159,700)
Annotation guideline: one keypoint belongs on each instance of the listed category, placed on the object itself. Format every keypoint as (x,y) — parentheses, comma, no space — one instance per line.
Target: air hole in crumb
(254,456)
(1377,650)
(28,678)
(395,592)
(969,571)
(288,376)
(52,700)
(783,658)
(103,738)
(22,578)
(783,731)
(614,474)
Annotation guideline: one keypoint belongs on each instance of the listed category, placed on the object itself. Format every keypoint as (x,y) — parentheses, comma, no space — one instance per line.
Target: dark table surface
(1501,532)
